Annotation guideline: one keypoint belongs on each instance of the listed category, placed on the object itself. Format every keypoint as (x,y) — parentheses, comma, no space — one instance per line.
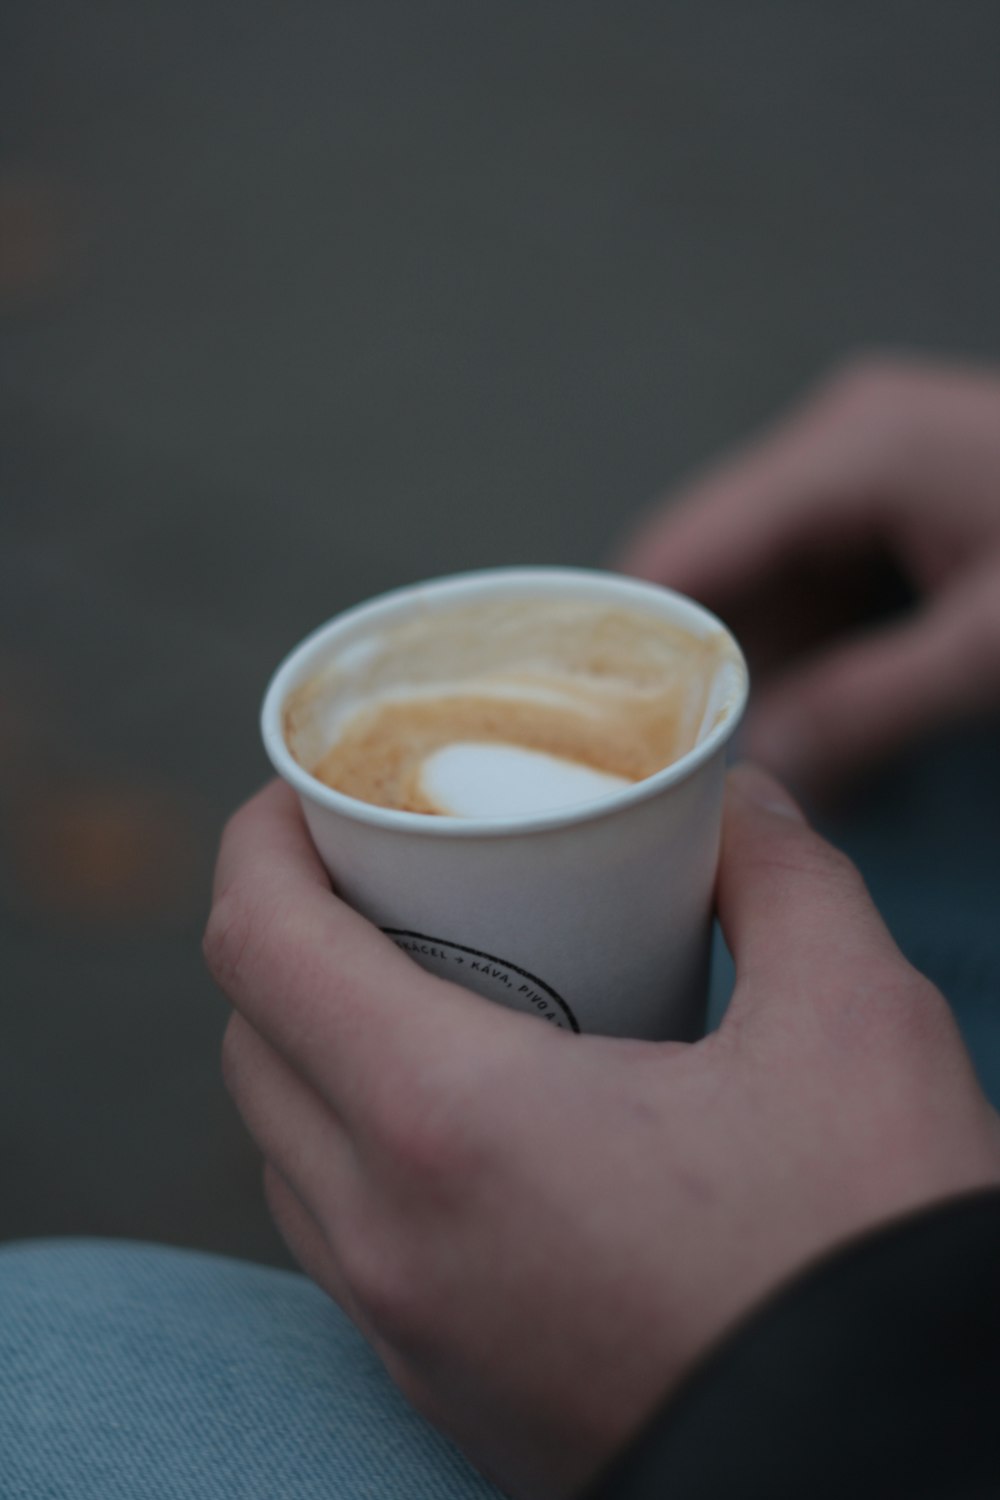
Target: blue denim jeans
(132,1372)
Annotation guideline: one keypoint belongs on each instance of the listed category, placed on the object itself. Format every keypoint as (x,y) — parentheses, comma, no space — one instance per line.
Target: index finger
(273,814)
(325,987)
(821,479)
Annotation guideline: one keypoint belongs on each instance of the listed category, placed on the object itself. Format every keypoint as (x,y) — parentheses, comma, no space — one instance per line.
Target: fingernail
(763,791)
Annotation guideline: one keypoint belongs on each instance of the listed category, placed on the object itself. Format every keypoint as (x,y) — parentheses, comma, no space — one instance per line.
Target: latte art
(506,712)
(429,755)
(481,781)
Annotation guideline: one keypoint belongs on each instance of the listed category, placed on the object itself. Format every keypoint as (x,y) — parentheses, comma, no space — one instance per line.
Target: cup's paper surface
(593,917)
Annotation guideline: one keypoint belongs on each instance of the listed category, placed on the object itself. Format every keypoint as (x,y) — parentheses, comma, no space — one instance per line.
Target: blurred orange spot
(103,854)
(38,236)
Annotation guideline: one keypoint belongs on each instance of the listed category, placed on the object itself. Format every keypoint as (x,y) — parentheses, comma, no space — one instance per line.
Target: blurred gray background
(300,302)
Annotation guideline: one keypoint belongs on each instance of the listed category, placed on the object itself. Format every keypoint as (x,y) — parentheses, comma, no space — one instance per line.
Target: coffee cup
(517,774)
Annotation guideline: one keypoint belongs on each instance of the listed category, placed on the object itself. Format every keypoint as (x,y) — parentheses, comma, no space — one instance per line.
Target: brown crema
(380,754)
(613,690)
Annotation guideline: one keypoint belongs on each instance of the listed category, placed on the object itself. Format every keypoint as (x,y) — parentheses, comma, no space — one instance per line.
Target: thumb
(860,702)
(794,911)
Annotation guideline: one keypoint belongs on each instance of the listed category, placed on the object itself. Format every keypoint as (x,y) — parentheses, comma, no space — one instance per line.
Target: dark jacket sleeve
(875,1375)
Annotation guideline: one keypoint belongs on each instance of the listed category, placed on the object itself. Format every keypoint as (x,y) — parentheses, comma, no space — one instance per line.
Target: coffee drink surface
(502,710)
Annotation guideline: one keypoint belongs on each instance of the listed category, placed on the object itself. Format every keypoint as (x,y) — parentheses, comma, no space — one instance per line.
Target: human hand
(539,1233)
(890,461)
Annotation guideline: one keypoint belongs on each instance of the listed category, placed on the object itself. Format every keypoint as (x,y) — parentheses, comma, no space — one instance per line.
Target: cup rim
(590,581)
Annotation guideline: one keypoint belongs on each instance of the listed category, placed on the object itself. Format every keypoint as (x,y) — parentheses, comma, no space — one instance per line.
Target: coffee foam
(607,695)
(473,780)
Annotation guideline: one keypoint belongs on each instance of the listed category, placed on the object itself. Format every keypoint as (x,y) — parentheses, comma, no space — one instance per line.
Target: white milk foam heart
(472,780)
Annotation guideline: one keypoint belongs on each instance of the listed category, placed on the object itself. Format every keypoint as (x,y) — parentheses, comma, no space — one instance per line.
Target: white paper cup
(597,917)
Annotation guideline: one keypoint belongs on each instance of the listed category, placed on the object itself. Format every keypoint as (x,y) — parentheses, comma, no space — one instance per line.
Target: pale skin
(542,1234)
(890,457)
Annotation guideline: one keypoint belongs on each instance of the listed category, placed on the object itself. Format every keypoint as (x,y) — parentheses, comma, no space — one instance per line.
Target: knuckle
(838,867)
(387,1292)
(227,938)
(248,923)
(811,860)
(870,377)
(881,399)
(878,410)
(912,1008)
(229,926)
(429,1140)
(436,1116)
(893,1013)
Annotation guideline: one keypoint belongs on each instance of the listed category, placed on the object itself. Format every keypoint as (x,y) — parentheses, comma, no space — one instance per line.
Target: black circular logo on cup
(489,976)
